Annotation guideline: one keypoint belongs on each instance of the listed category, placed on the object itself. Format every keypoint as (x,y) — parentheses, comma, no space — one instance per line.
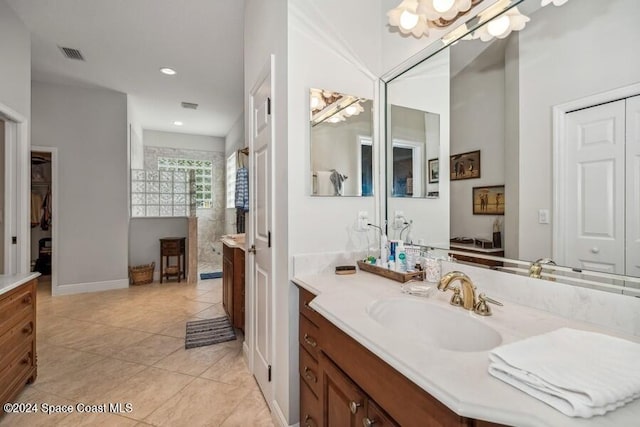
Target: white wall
(134,136)
(265,35)
(598,51)
(2,201)
(511,228)
(477,103)
(92,197)
(185,141)
(426,88)
(15,53)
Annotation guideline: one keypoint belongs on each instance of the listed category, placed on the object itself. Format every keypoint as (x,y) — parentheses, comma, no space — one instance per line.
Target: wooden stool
(172,247)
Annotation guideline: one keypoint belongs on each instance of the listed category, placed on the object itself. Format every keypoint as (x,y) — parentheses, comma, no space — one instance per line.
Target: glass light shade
(443,5)
(351,110)
(498,26)
(408,20)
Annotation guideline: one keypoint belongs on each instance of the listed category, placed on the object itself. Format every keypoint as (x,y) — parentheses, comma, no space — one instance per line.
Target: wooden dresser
(233,283)
(17,340)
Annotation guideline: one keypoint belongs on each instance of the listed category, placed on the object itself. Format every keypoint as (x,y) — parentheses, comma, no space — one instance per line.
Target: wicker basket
(141,274)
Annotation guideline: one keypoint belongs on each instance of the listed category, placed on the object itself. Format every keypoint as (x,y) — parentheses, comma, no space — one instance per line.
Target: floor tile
(252,411)
(193,361)
(40,418)
(150,350)
(187,407)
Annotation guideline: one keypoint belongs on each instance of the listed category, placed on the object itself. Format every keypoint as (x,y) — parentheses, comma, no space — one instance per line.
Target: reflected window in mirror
(341,144)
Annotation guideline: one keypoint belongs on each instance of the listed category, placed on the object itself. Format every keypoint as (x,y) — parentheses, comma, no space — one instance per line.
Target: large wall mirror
(341,144)
(539,136)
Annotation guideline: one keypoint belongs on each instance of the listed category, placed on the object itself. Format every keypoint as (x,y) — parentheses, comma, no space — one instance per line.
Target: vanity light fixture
(337,107)
(168,71)
(178,123)
(417,16)
(555,2)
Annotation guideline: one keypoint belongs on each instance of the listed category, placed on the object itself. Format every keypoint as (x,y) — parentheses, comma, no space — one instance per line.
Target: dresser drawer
(171,248)
(16,305)
(309,371)
(303,305)
(309,337)
(18,369)
(21,332)
(310,409)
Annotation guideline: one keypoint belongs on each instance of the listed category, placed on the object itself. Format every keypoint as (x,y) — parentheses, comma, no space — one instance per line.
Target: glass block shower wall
(162,193)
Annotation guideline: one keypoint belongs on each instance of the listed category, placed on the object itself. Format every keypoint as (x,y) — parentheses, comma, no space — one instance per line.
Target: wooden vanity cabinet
(355,386)
(18,365)
(233,284)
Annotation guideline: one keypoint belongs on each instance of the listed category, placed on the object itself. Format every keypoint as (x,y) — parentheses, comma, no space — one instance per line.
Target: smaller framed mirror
(341,144)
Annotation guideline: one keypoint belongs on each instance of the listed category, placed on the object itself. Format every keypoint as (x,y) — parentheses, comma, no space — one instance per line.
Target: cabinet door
(238,288)
(376,417)
(227,287)
(343,401)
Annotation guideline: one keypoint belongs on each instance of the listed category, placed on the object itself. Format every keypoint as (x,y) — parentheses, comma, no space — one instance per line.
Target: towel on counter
(579,373)
(242,189)
(323,183)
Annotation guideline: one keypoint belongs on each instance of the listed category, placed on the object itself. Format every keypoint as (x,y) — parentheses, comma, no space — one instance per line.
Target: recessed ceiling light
(168,71)
(178,123)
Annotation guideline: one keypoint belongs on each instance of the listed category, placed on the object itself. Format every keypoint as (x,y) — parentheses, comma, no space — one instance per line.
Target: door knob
(595,249)
(252,249)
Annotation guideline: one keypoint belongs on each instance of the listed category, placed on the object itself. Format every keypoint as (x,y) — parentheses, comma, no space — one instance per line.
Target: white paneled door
(633,186)
(261,204)
(594,214)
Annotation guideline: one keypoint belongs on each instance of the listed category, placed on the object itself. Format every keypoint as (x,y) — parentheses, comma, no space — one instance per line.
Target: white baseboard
(278,417)
(78,288)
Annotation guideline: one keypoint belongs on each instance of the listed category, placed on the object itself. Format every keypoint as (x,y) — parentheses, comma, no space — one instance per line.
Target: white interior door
(594,214)
(261,135)
(633,186)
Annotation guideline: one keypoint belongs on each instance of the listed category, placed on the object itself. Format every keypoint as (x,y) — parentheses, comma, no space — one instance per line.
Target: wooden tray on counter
(390,274)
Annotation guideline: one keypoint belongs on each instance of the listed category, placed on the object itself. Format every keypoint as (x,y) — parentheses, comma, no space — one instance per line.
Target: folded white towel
(579,373)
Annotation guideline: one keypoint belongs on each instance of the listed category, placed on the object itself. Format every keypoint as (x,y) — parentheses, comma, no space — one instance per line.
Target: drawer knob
(310,340)
(26,360)
(308,421)
(353,406)
(28,329)
(368,422)
(308,373)
(306,305)
(27,299)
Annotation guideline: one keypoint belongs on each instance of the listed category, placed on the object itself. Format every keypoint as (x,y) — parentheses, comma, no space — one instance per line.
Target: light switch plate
(543,216)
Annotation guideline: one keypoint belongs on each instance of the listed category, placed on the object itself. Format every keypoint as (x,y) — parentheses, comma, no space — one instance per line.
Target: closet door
(633,187)
(595,172)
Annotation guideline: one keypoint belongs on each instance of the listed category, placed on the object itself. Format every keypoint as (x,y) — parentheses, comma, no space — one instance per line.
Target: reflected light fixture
(416,17)
(333,107)
(500,26)
(178,123)
(168,71)
(555,2)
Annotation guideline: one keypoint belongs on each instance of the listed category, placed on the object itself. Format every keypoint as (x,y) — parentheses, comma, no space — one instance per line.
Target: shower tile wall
(211,222)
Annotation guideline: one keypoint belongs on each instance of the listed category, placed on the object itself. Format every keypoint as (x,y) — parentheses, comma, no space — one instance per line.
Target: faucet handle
(456,298)
(482,308)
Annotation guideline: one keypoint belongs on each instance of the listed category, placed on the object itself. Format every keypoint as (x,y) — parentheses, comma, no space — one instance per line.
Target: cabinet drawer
(16,305)
(21,332)
(171,248)
(18,368)
(303,304)
(309,337)
(310,409)
(309,371)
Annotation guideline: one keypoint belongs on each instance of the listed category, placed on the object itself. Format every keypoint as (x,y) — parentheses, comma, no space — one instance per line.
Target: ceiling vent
(71,53)
(189,105)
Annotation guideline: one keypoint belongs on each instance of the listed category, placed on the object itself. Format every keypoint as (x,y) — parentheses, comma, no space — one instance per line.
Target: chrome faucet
(468,297)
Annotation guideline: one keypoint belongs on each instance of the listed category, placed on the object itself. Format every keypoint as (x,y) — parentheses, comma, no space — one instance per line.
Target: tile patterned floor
(127,346)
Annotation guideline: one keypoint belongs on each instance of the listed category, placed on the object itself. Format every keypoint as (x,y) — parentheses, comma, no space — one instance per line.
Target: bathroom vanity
(18,365)
(370,355)
(233,278)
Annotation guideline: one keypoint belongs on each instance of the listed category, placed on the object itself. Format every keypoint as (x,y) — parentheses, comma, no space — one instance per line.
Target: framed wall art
(465,165)
(488,200)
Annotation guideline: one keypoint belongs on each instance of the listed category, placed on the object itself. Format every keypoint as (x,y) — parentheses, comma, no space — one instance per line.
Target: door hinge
(269,239)
(14,240)
(269,373)
(269,106)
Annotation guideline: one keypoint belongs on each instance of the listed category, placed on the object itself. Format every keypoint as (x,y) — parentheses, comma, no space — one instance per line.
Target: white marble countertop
(457,379)
(11,282)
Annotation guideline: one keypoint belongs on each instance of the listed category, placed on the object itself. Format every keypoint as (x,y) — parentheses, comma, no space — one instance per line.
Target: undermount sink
(450,328)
